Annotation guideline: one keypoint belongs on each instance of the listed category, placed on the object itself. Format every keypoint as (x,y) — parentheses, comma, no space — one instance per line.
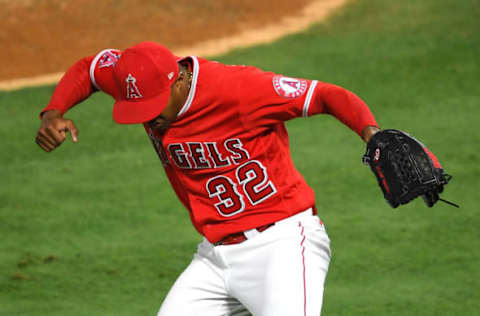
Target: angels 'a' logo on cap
(132,89)
(289,87)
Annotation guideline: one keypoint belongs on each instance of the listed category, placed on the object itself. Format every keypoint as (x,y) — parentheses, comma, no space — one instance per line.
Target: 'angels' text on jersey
(202,155)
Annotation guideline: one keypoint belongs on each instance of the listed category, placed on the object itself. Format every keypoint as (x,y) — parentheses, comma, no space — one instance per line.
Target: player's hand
(53,130)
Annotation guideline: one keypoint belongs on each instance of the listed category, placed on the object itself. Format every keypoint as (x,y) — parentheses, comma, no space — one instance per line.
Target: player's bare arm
(53,130)
(368,132)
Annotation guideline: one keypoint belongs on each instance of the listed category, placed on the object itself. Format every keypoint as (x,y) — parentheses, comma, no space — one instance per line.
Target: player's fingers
(45,136)
(46,139)
(44,143)
(43,146)
(73,130)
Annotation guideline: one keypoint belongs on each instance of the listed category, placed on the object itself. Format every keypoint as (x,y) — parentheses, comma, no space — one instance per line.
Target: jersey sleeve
(343,104)
(86,76)
(268,98)
(74,87)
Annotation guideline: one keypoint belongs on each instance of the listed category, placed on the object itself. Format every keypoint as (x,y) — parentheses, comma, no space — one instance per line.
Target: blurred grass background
(95,229)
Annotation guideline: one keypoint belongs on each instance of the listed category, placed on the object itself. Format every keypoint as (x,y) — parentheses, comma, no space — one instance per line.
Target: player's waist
(240,237)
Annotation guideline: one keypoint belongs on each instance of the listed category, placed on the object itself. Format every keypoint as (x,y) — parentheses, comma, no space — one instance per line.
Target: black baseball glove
(405,168)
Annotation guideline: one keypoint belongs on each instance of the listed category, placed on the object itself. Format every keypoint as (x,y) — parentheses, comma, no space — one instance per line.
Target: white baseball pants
(279,272)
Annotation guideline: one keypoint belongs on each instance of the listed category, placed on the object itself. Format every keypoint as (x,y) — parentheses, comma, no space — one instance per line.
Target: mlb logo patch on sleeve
(289,87)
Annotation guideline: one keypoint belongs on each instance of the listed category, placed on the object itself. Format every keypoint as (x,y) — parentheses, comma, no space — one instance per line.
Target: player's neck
(186,73)
(185,81)
(179,93)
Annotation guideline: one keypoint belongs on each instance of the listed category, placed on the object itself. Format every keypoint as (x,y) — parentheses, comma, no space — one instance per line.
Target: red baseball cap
(144,75)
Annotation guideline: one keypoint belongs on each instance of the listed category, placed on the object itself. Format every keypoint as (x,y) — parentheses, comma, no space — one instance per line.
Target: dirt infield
(41,38)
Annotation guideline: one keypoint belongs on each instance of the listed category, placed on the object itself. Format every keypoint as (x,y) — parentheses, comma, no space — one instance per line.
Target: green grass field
(95,229)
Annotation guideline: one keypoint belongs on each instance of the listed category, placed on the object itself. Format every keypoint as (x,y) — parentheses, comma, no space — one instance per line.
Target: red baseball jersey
(227,155)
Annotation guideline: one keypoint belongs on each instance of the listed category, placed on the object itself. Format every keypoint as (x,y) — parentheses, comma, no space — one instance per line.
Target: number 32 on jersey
(256,187)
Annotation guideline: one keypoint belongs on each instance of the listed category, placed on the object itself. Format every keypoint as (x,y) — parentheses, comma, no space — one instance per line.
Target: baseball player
(219,132)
